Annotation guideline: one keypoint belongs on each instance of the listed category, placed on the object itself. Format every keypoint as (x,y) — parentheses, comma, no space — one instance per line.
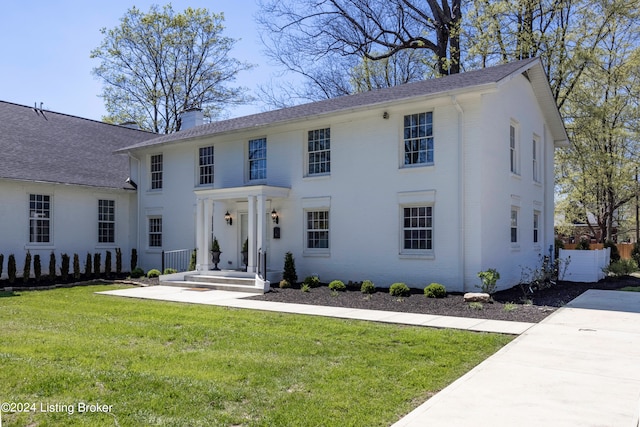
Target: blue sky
(45,47)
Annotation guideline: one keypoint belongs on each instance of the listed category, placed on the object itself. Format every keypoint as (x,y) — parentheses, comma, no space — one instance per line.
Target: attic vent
(130,125)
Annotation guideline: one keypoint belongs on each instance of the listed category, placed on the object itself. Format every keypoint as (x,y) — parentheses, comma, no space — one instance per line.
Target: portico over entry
(215,203)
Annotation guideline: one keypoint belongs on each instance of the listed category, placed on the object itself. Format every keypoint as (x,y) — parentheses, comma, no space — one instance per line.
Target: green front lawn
(172,364)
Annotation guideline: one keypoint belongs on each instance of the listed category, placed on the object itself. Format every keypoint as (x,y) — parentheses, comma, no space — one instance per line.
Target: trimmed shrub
(1,263)
(337,285)
(52,266)
(367,287)
(192,261)
(399,290)
(87,266)
(284,284)
(312,281)
(137,272)
(435,290)
(153,273)
(134,259)
(169,271)
(107,264)
(64,269)
(118,261)
(11,268)
(305,287)
(97,264)
(76,267)
(289,274)
(26,272)
(37,267)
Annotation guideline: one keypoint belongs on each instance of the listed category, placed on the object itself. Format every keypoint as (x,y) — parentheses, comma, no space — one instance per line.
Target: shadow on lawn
(7,294)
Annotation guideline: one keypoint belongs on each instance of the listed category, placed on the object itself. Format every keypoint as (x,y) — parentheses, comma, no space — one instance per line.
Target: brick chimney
(191,118)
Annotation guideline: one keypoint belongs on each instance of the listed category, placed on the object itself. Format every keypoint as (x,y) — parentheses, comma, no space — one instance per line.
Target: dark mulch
(540,304)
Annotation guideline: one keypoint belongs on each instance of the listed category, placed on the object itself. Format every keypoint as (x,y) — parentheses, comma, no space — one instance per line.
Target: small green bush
(153,273)
(368,287)
(305,288)
(622,267)
(11,268)
(26,273)
(399,290)
(583,245)
(435,290)
(52,266)
(476,306)
(489,279)
(312,281)
(37,267)
(337,285)
(64,268)
(289,274)
(170,271)
(284,284)
(137,272)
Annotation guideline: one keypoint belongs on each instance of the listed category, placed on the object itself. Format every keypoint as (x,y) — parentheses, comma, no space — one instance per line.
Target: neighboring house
(61,187)
(426,182)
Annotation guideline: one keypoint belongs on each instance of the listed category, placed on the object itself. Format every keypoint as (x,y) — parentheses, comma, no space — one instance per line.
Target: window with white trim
(536,226)
(205,162)
(257,159)
(514,225)
(319,151)
(513,149)
(418,139)
(536,158)
(418,228)
(39,218)
(156,171)
(155,232)
(106,221)
(317,229)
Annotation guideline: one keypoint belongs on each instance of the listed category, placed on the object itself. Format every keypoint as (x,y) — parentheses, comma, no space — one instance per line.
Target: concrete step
(217,286)
(220,280)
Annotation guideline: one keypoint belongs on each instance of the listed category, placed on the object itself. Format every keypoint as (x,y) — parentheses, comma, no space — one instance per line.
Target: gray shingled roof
(58,148)
(426,88)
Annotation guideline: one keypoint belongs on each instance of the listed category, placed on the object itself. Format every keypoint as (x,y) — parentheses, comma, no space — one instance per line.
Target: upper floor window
(39,218)
(418,139)
(418,228)
(106,221)
(206,165)
(258,159)
(536,159)
(156,171)
(319,151)
(513,149)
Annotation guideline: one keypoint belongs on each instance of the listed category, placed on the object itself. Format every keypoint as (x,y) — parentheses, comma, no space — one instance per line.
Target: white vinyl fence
(585,266)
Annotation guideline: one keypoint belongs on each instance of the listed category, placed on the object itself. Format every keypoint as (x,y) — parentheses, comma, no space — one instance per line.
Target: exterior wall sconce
(227,217)
(385,115)
(274,216)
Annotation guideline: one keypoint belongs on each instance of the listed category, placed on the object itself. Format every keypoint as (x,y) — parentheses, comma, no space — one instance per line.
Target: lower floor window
(155,232)
(418,228)
(514,225)
(317,229)
(39,218)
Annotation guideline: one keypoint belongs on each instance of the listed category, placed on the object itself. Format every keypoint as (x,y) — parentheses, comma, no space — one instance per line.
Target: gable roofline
(477,80)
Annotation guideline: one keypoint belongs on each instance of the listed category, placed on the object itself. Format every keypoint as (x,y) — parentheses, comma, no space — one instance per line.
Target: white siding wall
(74,223)
(366,187)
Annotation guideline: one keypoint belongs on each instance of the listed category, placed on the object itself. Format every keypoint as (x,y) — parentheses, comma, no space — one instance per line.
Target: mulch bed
(506,305)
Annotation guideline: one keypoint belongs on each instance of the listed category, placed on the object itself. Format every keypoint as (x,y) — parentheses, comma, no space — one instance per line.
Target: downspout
(461,193)
(137,242)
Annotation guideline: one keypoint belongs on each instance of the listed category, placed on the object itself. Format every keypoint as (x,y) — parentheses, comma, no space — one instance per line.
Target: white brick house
(427,182)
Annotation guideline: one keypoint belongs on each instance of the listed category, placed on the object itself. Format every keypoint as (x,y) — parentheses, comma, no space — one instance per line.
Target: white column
(206,248)
(261,233)
(200,259)
(251,234)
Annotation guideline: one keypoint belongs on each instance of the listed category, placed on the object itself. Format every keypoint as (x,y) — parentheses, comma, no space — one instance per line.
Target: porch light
(227,217)
(274,216)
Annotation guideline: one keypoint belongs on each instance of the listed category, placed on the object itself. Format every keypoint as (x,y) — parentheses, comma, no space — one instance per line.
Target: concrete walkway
(578,367)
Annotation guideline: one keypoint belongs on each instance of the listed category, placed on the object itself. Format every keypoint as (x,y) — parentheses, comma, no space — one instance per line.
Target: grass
(172,364)
(631,289)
